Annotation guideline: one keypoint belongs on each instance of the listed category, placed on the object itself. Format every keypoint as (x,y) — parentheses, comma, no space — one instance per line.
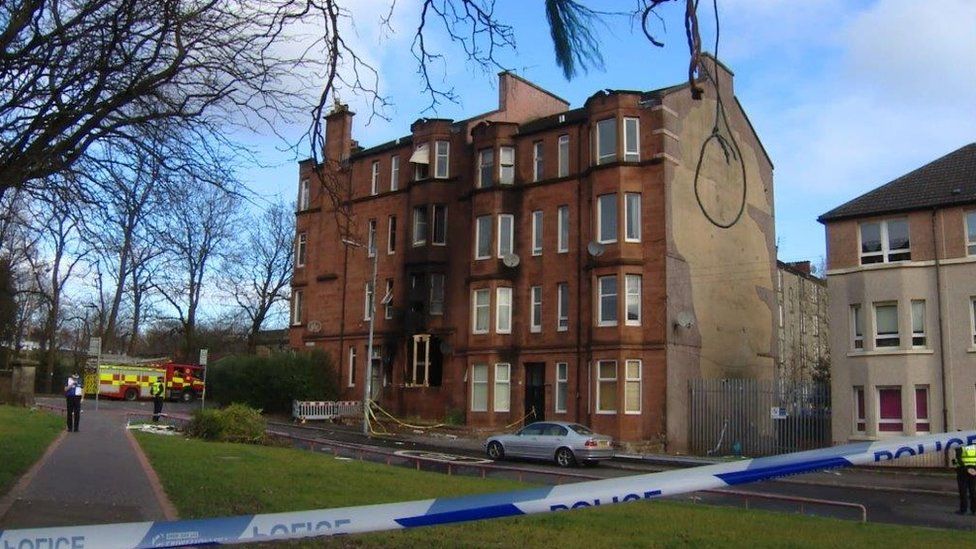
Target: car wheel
(565,457)
(131,394)
(188,395)
(495,451)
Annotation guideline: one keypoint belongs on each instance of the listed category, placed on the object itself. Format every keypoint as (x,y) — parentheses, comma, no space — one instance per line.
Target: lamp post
(369,345)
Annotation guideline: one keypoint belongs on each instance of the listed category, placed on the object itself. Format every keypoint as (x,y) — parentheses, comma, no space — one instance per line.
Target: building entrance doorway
(535,391)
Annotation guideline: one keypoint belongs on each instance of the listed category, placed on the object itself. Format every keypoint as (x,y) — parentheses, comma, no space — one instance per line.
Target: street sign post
(203,362)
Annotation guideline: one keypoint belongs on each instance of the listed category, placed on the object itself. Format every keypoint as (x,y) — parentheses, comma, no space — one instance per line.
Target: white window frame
(296,307)
(928,408)
(506,170)
(394,172)
(635,235)
(442,159)
(562,388)
(482,154)
(863,420)
(878,337)
(434,209)
(476,381)
(535,325)
(479,221)
(632,289)
(503,387)
(304,195)
(885,252)
(419,219)
(918,309)
(562,228)
(600,295)
(538,160)
(368,296)
(352,366)
(632,150)
(417,165)
(601,238)
(374,186)
(438,311)
(391,233)
(475,307)
(563,156)
(371,238)
(537,232)
(511,235)
(503,310)
(388,302)
(600,380)
(421,361)
(857,327)
(970,232)
(881,420)
(300,249)
(972,320)
(597,154)
(631,382)
(562,309)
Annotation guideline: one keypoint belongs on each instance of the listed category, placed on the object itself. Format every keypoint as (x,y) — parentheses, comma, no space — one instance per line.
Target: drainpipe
(942,346)
(345,280)
(579,283)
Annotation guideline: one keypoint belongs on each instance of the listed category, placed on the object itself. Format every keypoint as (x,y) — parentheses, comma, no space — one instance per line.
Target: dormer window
(885,241)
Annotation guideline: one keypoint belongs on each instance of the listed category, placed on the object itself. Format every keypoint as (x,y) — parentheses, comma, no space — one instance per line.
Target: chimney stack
(338,133)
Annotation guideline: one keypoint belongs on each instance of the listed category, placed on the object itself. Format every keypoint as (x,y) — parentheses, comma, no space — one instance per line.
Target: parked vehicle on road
(182,382)
(568,444)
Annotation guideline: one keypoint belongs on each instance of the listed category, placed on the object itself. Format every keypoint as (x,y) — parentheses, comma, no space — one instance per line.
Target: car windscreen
(580,430)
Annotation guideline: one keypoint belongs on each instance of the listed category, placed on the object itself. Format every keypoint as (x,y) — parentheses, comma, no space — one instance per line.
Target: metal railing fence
(749,417)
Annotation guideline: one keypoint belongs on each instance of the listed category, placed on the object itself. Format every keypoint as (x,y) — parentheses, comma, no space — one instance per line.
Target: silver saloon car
(567,444)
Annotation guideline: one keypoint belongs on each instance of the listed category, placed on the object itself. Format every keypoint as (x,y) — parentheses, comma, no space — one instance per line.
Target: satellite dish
(595,248)
(511,260)
(684,319)
(314,326)
(446,348)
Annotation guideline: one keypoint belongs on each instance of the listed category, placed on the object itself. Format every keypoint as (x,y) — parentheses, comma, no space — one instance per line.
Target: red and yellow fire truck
(131,381)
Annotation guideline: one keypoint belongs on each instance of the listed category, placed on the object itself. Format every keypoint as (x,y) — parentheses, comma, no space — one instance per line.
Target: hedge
(271,383)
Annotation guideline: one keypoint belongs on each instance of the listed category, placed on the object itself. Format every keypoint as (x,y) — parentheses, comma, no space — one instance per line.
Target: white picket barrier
(303,410)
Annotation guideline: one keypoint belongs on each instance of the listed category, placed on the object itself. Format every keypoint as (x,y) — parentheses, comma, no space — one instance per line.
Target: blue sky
(845,95)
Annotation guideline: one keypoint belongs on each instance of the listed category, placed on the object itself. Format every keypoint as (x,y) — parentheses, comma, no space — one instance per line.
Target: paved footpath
(97,475)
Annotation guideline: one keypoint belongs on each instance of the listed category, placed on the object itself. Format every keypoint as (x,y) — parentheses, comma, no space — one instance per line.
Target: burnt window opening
(425,366)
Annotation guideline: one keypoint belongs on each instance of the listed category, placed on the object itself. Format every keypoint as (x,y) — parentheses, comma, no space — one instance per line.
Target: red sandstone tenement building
(541,257)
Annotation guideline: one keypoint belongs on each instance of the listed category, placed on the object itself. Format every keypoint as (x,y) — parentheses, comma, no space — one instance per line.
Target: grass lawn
(24,435)
(214,479)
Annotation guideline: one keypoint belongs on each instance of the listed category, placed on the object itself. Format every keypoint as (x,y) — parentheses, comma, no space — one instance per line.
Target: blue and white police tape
(391,516)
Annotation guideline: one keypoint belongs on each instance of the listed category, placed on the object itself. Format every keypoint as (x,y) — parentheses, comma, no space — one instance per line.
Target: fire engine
(131,381)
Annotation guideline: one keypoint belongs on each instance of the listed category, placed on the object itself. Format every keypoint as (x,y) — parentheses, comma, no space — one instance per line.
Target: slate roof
(948,181)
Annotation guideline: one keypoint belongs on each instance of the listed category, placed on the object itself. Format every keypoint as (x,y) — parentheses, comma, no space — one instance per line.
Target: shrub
(271,383)
(241,423)
(235,423)
(205,424)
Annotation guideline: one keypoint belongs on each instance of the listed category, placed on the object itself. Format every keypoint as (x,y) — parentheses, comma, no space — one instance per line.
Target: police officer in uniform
(73,392)
(157,390)
(966,477)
